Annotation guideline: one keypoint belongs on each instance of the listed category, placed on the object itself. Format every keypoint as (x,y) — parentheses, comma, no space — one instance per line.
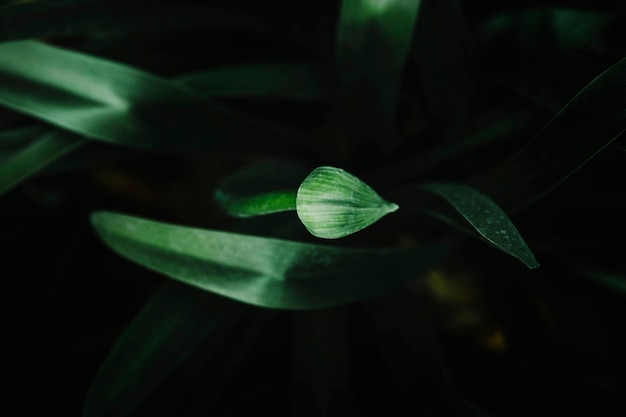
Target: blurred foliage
(466,113)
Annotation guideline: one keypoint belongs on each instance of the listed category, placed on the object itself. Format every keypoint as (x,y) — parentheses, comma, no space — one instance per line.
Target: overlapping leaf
(40,152)
(149,350)
(592,120)
(373,42)
(261,271)
(114,103)
(262,189)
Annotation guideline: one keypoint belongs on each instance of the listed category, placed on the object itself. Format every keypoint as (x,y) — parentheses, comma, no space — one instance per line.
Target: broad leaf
(118,104)
(486,217)
(261,271)
(46,149)
(262,189)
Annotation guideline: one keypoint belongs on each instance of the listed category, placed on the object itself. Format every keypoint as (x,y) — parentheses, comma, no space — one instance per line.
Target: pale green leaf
(333,203)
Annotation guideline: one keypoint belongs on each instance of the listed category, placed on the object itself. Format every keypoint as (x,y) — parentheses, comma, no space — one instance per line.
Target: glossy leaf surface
(118,104)
(262,189)
(486,217)
(261,271)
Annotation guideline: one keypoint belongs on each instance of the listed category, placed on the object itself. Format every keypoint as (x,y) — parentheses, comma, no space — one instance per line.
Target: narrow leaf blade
(154,345)
(115,103)
(487,218)
(24,163)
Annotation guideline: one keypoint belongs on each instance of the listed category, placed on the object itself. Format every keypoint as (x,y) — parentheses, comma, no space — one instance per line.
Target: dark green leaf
(15,138)
(592,120)
(114,103)
(296,80)
(52,18)
(374,37)
(442,57)
(262,271)
(612,280)
(155,344)
(262,189)
(484,215)
(47,148)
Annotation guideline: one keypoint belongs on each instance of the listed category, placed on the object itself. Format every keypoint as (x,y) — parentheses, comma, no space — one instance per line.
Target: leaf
(374,37)
(262,189)
(47,148)
(157,342)
(14,138)
(489,220)
(118,104)
(595,117)
(262,271)
(441,54)
(611,280)
(295,80)
(53,18)
(332,203)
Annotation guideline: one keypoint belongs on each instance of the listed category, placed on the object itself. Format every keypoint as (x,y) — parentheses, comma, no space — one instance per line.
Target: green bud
(332,203)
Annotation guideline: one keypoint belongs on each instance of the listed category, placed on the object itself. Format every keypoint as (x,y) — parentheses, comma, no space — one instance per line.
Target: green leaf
(333,203)
(53,18)
(262,189)
(295,80)
(118,104)
(612,280)
(486,217)
(262,271)
(374,37)
(27,161)
(173,325)
(595,117)
(15,138)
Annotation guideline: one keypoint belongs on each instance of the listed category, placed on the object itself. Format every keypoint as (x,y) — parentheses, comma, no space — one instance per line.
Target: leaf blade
(35,156)
(260,271)
(486,217)
(115,103)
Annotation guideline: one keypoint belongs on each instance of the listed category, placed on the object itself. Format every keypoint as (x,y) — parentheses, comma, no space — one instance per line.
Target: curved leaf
(262,189)
(36,155)
(484,215)
(115,103)
(374,37)
(296,80)
(333,203)
(592,120)
(152,347)
(261,271)
(52,18)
